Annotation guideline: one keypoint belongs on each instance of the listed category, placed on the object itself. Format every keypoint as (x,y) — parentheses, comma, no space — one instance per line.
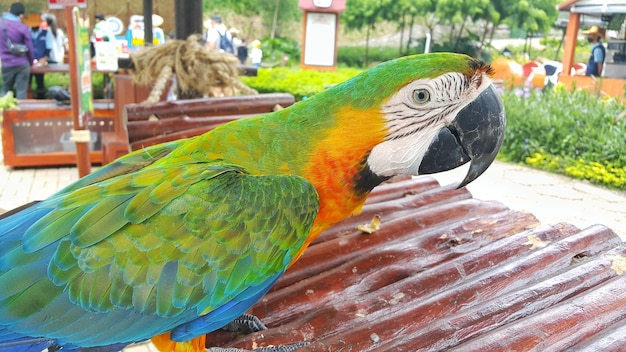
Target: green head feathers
(369,88)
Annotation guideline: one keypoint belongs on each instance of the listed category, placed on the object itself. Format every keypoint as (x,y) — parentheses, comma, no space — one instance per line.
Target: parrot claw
(281,348)
(246,323)
(249,323)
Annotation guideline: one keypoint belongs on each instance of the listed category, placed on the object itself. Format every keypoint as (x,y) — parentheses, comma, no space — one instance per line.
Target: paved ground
(550,198)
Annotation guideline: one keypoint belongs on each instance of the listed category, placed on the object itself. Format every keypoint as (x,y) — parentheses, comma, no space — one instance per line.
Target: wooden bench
(146,125)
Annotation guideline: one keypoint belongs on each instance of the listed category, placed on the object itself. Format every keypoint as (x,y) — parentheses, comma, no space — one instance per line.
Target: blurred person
(15,68)
(56,39)
(234,33)
(598,51)
(239,45)
(38,33)
(242,51)
(101,33)
(256,54)
(218,37)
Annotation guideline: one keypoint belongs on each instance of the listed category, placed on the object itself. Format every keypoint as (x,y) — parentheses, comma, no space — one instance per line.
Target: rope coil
(196,69)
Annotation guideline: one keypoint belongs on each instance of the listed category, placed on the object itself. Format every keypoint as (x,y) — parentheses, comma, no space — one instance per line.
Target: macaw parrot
(179,239)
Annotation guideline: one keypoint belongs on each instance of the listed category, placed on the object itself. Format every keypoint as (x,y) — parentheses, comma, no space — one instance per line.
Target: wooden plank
(562,326)
(204,107)
(141,130)
(143,143)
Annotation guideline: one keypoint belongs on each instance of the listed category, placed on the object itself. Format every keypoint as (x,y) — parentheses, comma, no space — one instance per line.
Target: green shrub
(300,83)
(274,49)
(8,101)
(56,79)
(602,173)
(354,56)
(566,132)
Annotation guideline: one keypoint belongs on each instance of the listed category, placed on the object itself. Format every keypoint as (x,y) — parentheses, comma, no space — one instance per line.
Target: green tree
(500,10)
(284,10)
(365,14)
(428,17)
(407,10)
(457,13)
(493,16)
(274,13)
(533,16)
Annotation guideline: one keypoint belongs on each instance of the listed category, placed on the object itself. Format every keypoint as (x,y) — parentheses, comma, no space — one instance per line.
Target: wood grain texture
(447,272)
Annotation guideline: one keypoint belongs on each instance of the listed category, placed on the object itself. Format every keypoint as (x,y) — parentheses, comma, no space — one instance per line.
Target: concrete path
(550,198)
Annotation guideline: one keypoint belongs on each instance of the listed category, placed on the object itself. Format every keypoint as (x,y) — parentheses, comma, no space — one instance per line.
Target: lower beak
(476,134)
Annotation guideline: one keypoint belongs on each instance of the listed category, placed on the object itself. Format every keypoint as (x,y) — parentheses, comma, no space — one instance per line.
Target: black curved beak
(476,134)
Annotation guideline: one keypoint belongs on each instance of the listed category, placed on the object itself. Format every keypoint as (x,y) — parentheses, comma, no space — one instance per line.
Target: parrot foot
(249,323)
(246,323)
(281,348)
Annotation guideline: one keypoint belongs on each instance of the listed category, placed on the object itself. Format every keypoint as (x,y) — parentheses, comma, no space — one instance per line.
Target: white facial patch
(415,114)
(400,156)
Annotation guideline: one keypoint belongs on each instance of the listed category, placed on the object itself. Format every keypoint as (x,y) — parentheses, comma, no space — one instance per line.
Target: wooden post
(188,18)
(82,148)
(571,36)
(147,22)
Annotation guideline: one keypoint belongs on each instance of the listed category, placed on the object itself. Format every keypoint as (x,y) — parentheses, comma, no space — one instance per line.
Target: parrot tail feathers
(164,344)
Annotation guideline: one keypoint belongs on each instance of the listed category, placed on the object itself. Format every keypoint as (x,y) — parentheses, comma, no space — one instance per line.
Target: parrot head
(440,111)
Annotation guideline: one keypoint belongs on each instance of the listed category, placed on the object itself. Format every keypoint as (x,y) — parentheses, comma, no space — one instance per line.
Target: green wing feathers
(162,239)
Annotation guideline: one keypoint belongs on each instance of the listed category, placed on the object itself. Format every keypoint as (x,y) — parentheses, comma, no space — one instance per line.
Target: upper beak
(476,134)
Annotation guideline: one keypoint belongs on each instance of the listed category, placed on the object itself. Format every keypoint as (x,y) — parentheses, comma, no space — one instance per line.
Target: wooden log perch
(447,272)
(205,107)
(171,120)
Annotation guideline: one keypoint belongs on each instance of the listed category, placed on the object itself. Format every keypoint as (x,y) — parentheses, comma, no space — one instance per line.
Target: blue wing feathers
(12,227)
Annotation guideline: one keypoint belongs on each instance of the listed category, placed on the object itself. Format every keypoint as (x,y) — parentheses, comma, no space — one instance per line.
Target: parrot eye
(421,96)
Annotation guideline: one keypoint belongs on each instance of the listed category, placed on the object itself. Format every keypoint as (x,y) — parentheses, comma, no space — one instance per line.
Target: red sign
(60,4)
(333,6)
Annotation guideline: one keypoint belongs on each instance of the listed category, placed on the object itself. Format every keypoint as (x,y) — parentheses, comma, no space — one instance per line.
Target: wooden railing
(146,125)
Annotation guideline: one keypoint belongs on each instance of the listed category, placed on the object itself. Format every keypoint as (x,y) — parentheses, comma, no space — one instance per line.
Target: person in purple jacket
(15,69)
